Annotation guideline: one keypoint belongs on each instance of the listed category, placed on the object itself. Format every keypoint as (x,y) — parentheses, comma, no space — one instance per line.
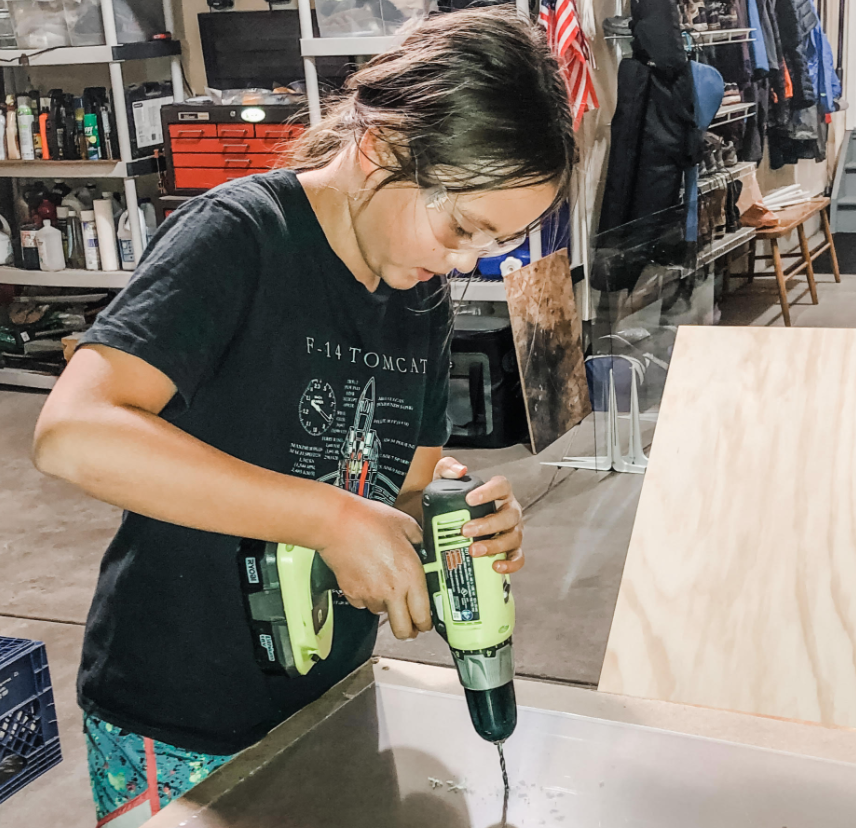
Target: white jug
(7,255)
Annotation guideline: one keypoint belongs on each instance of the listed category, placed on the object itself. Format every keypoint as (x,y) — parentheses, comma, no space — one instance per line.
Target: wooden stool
(793,218)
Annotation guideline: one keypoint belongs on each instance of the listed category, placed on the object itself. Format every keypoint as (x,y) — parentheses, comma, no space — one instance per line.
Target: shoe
(712,9)
(713,153)
(729,154)
(759,217)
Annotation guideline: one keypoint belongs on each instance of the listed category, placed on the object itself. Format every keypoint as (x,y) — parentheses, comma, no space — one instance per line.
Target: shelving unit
(127,168)
(711,37)
(81,55)
(733,112)
(70,277)
(720,37)
(725,245)
(26,379)
(79,169)
(477,289)
(714,182)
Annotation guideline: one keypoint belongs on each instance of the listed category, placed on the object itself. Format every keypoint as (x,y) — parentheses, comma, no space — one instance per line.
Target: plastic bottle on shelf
(76,250)
(126,246)
(2,133)
(151,222)
(47,210)
(115,205)
(25,128)
(106,233)
(7,254)
(90,240)
(13,152)
(73,203)
(29,247)
(62,226)
(49,240)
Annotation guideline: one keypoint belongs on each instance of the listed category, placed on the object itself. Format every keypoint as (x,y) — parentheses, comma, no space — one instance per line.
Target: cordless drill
(288,596)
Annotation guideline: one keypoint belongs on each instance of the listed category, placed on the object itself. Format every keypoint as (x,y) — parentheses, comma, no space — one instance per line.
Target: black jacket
(797,19)
(654,138)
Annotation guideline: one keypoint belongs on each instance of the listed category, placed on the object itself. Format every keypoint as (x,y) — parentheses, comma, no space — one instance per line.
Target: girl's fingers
(497,488)
(449,468)
(513,563)
(507,542)
(507,518)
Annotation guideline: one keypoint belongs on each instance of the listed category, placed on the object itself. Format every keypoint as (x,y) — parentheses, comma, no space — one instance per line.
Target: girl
(285,332)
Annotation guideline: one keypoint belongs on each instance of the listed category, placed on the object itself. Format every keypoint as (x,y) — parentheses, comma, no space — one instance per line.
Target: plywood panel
(739,590)
(548,340)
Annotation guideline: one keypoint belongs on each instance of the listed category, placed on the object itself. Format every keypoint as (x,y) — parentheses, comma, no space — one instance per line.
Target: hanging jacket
(821,67)
(797,19)
(760,60)
(654,138)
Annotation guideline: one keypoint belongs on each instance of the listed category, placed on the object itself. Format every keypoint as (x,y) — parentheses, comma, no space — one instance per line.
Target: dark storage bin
(29,738)
(486,401)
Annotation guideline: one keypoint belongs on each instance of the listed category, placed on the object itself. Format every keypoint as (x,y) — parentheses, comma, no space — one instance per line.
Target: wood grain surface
(548,340)
(739,590)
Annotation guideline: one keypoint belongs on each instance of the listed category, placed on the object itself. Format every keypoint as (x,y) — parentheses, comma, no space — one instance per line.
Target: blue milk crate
(29,738)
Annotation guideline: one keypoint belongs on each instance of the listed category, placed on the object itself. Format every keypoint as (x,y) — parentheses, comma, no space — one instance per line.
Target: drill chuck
(488,680)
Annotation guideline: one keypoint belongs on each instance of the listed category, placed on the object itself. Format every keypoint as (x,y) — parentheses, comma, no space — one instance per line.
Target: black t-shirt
(282,359)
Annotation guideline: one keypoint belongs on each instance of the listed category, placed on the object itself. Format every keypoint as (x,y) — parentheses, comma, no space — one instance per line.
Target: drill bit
(504,784)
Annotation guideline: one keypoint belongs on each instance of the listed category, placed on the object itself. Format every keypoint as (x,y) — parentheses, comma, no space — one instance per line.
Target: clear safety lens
(454,232)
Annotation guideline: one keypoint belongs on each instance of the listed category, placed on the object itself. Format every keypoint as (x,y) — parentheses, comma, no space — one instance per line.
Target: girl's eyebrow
(479,221)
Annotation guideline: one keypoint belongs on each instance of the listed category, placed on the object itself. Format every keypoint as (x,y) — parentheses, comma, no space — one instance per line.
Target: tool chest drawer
(226,160)
(235,130)
(209,145)
(204,178)
(229,145)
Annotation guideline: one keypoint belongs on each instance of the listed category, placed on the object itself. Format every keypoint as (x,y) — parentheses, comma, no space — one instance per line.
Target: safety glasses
(455,232)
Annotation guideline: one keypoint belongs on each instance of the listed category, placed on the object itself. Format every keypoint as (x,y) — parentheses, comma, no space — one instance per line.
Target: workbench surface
(393,746)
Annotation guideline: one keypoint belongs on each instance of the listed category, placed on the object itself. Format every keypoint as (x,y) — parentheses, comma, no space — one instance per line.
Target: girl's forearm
(140,462)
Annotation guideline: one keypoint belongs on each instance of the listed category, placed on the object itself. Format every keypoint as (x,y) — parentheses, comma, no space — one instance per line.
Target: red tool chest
(208,145)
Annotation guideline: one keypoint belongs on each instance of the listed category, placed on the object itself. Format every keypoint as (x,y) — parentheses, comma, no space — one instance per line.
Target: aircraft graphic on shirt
(360,455)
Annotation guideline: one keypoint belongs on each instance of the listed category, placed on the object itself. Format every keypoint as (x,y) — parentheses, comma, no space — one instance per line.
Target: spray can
(90,240)
(25,128)
(13,152)
(56,127)
(80,128)
(90,124)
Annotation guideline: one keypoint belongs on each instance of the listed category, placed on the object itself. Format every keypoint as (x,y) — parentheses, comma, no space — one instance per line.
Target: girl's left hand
(503,530)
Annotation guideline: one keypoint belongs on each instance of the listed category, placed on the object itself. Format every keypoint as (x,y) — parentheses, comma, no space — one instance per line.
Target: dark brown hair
(471,100)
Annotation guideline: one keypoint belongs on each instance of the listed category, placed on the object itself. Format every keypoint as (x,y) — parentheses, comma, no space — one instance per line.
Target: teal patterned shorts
(133,777)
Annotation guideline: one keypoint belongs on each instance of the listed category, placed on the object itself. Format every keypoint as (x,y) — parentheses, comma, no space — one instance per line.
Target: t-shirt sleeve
(189,294)
(436,425)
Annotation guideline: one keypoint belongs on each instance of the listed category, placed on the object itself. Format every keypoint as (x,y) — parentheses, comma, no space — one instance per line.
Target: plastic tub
(85,26)
(489,267)
(367,18)
(39,24)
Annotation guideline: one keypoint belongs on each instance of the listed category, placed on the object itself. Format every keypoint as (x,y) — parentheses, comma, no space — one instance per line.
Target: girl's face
(408,235)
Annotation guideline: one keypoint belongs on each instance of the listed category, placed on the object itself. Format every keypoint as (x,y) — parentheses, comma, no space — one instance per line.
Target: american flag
(561,20)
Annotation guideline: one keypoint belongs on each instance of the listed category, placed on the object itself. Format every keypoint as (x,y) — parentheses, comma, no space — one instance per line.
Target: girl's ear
(374,154)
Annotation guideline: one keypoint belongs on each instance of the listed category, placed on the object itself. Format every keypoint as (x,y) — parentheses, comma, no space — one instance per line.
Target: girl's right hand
(371,553)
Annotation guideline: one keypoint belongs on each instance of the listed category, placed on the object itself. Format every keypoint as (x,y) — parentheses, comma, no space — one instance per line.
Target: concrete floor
(577,528)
